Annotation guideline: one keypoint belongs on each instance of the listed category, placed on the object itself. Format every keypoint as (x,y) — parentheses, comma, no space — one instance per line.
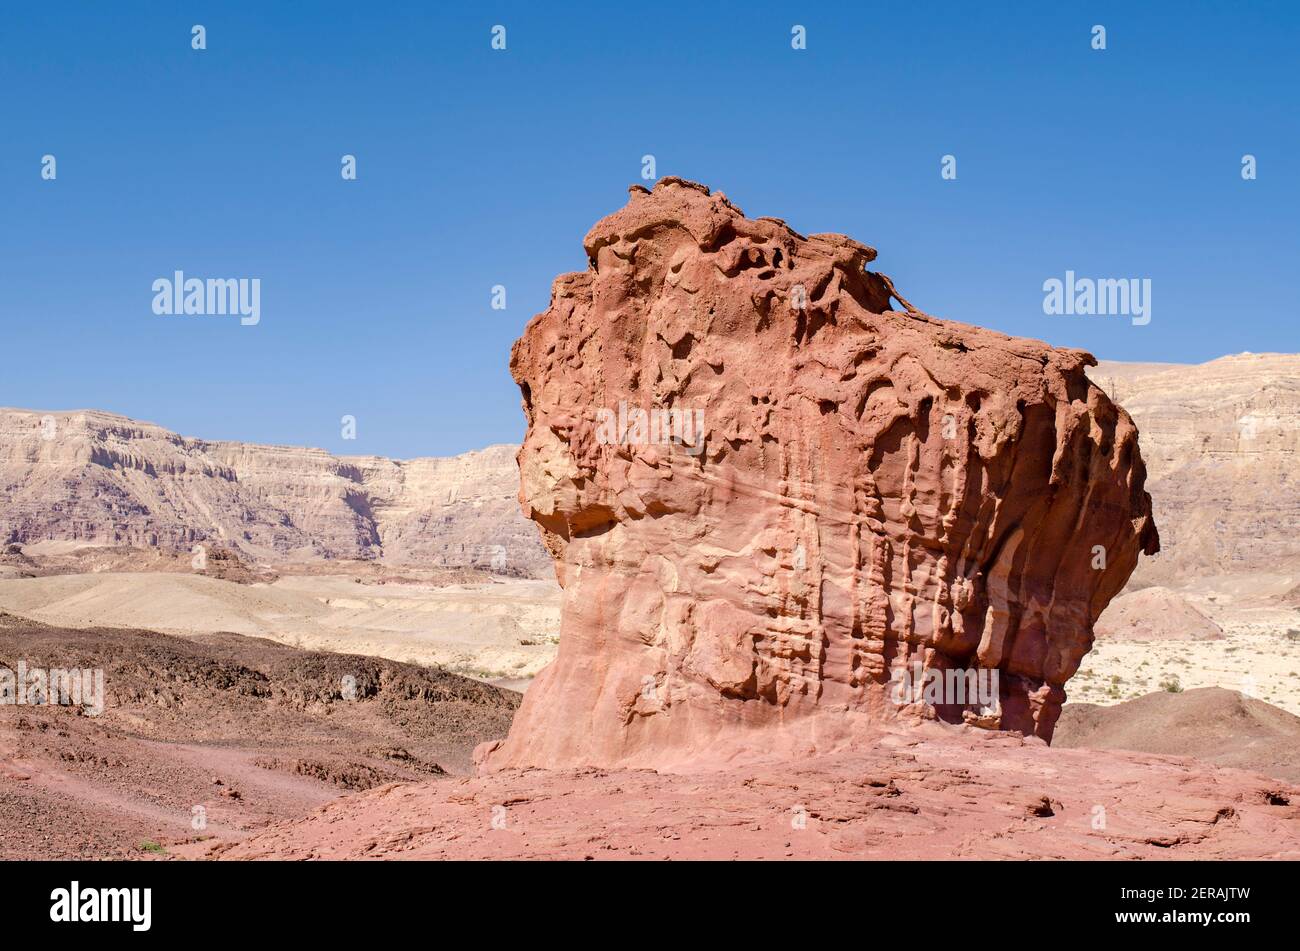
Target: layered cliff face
(1221,440)
(104,479)
(769,493)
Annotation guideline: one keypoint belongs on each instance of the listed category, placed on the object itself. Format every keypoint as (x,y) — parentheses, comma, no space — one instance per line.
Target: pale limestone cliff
(1222,445)
(104,479)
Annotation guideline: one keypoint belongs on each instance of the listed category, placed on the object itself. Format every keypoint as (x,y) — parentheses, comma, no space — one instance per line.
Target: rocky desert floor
(930,794)
(212,737)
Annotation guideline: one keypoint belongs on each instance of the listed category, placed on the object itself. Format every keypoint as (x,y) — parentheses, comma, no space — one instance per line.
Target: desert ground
(499,629)
(1258,655)
(207,739)
(919,794)
(1209,724)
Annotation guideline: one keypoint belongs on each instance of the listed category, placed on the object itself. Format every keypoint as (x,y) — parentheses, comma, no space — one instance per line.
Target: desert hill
(1211,724)
(1155,614)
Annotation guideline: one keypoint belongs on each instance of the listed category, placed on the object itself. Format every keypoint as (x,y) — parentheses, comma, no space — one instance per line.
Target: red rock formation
(869,489)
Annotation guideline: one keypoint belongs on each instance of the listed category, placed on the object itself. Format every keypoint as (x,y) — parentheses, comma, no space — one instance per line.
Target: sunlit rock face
(848,489)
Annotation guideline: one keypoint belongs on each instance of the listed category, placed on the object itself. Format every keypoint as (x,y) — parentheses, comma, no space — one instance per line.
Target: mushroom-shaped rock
(784,509)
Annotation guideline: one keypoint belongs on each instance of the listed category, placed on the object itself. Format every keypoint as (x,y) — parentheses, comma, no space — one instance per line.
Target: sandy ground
(1259,655)
(503,630)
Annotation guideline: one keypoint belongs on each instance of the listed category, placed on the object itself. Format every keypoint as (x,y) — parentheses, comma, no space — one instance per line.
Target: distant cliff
(105,479)
(1221,442)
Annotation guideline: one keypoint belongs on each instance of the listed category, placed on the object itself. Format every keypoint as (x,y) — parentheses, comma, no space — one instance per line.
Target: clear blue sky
(479,167)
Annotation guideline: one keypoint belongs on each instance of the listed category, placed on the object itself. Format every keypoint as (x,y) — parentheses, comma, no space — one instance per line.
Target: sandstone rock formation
(1221,441)
(838,490)
(1156,614)
(104,479)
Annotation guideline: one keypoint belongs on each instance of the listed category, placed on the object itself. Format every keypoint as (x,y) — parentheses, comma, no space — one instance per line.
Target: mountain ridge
(102,478)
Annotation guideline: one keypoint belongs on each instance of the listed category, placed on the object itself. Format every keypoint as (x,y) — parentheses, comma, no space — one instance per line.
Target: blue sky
(478,167)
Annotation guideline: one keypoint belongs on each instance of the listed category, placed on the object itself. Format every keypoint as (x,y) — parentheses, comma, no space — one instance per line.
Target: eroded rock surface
(848,489)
